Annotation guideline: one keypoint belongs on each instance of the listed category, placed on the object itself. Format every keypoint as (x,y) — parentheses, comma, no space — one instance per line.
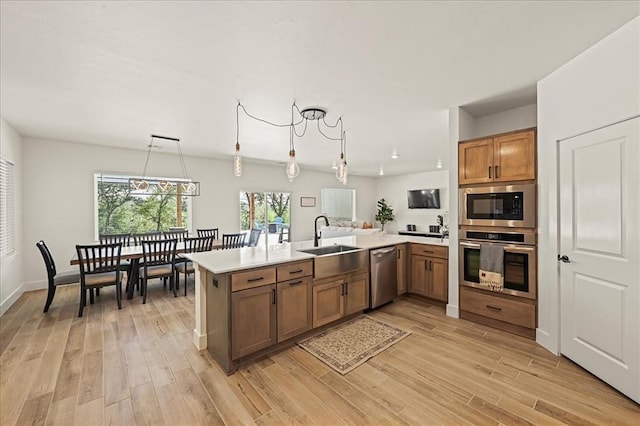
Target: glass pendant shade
(345,173)
(237,162)
(188,187)
(292,169)
(165,185)
(139,185)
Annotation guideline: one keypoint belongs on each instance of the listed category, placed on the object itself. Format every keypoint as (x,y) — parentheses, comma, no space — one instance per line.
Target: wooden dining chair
(230,241)
(53,277)
(254,237)
(185,266)
(178,235)
(159,259)
(211,232)
(99,267)
(149,236)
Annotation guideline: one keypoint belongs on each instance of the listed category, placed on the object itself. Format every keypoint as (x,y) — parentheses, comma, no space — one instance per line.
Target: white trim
(200,340)
(452,311)
(24,287)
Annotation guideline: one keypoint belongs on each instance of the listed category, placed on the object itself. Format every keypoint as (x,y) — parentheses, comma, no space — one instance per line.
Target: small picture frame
(307,201)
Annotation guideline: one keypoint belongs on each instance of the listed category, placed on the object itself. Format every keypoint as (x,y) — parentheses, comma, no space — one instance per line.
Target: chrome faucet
(315,228)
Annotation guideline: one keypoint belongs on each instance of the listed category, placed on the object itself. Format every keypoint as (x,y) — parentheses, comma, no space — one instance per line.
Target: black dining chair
(185,266)
(254,237)
(125,239)
(54,279)
(230,241)
(178,235)
(159,257)
(149,236)
(210,232)
(99,267)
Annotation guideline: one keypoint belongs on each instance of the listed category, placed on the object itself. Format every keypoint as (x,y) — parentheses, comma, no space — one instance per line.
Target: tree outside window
(121,211)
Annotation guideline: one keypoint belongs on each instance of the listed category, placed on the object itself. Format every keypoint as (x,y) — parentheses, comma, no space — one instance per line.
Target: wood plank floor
(139,366)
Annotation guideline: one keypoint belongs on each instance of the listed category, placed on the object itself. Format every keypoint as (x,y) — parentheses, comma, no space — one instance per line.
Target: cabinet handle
(295,272)
(427,251)
(296,282)
(495,308)
(215,283)
(426,265)
(489,172)
(497,172)
(346,288)
(342,289)
(273,296)
(251,280)
(430,265)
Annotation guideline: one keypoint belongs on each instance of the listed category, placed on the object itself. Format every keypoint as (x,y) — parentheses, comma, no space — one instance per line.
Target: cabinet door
(419,275)
(327,302)
(438,279)
(356,297)
(475,162)
(253,320)
(402,269)
(294,308)
(514,157)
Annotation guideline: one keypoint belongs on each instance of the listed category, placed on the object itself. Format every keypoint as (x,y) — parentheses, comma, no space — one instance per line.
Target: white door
(600,235)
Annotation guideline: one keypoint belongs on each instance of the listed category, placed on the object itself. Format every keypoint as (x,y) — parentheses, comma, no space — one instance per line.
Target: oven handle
(508,247)
(466,244)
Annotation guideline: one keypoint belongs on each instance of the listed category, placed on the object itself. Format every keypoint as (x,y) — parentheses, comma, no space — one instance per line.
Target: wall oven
(504,206)
(519,259)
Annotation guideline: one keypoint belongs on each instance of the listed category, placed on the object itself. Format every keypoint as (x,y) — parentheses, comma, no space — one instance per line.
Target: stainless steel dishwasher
(384,278)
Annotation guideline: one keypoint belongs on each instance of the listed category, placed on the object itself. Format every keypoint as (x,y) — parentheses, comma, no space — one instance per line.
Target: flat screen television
(424,198)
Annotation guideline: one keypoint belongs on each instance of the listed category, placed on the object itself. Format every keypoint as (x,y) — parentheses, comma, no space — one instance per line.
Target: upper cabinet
(501,158)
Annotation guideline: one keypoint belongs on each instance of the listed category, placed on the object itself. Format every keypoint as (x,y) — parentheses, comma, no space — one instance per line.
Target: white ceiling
(112,73)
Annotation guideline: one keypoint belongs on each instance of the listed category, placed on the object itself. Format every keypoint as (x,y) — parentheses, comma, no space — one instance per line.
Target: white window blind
(7,208)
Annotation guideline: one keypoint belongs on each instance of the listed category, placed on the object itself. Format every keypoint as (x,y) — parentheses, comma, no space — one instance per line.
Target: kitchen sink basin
(337,259)
(338,248)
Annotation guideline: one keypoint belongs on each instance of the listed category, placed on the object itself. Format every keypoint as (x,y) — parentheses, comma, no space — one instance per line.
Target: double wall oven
(502,216)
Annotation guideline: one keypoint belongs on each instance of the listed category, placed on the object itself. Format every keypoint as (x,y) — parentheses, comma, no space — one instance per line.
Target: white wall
(506,121)
(598,87)
(11,266)
(394,190)
(59,199)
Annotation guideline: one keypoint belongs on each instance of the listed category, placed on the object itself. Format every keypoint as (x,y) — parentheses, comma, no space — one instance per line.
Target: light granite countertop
(223,261)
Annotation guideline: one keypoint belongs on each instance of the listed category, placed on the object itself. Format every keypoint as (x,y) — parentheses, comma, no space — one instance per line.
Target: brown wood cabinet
(500,158)
(253,320)
(293,307)
(336,297)
(429,271)
(402,268)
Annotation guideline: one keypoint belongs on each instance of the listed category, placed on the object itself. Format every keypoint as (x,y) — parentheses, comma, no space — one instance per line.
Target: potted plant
(385,212)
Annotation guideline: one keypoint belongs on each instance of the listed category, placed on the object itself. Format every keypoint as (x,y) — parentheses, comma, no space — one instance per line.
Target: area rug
(348,345)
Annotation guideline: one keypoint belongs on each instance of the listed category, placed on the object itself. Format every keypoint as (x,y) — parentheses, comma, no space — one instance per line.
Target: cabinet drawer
(252,278)
(294,270)
(429,250)
(507,310)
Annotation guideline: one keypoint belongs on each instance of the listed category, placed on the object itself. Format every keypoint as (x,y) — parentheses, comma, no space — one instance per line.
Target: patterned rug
(348,345)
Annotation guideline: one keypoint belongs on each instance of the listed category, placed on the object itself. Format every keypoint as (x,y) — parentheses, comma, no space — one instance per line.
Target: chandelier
(292,169)
(179,187)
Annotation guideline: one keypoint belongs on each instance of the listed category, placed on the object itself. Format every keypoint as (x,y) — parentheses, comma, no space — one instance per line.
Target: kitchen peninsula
(251,299)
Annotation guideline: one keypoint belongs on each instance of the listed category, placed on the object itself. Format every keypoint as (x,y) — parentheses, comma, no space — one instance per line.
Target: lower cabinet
(402,269)
(429,272)
(336,297)
(253,320)
(293,308)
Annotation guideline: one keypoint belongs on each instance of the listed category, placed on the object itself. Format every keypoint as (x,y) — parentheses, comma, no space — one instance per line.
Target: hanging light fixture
(292,168)
(237,159)
(343,170)
(150,186)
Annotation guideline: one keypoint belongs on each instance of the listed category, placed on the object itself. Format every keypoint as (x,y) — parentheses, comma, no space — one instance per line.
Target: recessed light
(395,155)
(381,173)
(439,164)
(333,166)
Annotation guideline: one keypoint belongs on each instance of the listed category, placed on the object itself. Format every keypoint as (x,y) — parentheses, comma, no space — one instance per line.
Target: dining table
(134,254)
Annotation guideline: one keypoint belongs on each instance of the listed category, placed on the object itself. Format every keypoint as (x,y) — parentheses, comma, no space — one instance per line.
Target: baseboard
(200,340)
(452,311)
(13,297)
(546,341)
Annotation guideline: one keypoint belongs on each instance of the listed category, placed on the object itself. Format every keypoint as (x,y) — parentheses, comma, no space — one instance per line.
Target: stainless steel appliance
(504,206)
(519,259)
(384,278)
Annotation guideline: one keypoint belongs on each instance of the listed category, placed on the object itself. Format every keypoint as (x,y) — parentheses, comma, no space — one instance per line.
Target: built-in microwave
(503,206)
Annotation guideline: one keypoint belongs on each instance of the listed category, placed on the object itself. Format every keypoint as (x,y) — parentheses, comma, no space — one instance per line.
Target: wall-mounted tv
(424,198)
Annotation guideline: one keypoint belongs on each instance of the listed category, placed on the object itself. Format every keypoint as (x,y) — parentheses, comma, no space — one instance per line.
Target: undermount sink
(337,259)
(338,248)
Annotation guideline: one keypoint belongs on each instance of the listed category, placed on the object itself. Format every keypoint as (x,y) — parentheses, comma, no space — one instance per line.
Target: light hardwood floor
(139,366)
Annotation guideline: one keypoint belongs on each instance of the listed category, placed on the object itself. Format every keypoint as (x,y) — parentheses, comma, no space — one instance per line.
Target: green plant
(385,212)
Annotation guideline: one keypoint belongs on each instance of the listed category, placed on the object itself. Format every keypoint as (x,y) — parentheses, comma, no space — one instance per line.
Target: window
(119,210)
(7,208)
(339,204)
(269,212)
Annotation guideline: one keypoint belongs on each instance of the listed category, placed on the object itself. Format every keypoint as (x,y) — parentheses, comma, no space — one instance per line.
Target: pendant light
(292,169)
(237,159)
